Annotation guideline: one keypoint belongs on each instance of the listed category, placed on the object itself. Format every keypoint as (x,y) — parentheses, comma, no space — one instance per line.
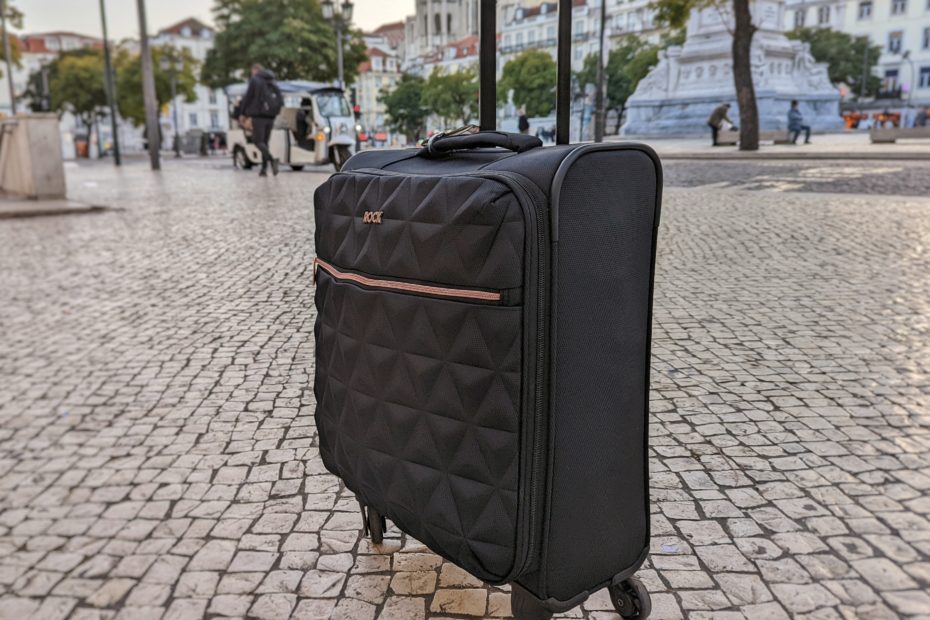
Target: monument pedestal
(692,79)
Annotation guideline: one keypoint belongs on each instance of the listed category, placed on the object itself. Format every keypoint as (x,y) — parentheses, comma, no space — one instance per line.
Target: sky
(83,16)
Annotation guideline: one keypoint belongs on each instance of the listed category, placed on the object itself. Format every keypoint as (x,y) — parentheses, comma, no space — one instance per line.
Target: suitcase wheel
(373,524)
(527,607)
(631,599)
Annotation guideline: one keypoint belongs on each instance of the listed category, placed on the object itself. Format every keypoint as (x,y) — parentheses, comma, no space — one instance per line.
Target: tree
(129,79)
(675,13)
(627,64)
(453,97)
(532,77)
(75,84)
(14,19)
(847,57)
(289,37)
(404,106)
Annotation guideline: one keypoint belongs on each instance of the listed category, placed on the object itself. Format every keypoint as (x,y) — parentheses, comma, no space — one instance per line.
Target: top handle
(487,65)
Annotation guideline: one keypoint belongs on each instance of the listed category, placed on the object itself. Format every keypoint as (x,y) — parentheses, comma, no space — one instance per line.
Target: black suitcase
(482,350)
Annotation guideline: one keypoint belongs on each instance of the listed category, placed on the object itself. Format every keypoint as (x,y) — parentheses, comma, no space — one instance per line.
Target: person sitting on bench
(796,124)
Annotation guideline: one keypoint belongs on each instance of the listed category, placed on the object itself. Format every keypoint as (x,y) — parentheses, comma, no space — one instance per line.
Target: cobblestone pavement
(158,454)
(877,177)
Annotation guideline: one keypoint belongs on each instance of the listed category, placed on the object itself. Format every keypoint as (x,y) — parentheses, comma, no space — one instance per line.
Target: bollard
(30,156)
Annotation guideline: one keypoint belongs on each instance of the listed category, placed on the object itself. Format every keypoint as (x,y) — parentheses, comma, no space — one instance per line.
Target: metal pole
(174,111)
(8,56)
(111,88)
(599,112)
(148,90)
(865,69)
(342,83)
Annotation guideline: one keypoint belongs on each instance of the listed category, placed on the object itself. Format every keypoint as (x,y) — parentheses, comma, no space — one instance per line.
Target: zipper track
(532,199)
(405,287)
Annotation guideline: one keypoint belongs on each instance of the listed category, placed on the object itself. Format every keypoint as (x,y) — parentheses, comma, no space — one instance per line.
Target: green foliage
(289,37)
(675,13)
(846,57)
(453,97)
(75,84)
(532,77)
(627,64)
(404,106)
(129,79)
(14,19)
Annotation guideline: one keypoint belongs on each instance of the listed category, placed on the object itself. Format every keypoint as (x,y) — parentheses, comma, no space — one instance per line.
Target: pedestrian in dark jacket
(715,120)
(523,123)
(796,124)
(261,104)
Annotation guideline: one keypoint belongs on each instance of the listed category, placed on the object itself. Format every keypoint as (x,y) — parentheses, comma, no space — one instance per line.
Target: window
(823,15)
(376,63)
(449,22)
(927,38)
(865,9)
(550,32)
(519,39)
(895,41)
(924,80)
(506,40)
(579,27)
(437,22)
(799,18)
(898,7)
(890,83)
(214,120)
(212,97)
(531,37)
(194,121)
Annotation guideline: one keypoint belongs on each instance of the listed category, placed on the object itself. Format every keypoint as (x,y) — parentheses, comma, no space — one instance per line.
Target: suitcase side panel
(598,515)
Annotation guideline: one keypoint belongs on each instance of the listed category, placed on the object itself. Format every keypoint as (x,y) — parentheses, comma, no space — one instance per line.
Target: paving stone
(466,602)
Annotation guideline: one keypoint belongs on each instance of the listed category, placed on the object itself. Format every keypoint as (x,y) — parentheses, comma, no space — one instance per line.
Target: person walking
(523,123)
(796,124)
(720,114)
(260,105)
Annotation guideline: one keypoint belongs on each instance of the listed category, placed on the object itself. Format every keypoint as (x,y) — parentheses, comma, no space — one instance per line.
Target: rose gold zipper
(406,287)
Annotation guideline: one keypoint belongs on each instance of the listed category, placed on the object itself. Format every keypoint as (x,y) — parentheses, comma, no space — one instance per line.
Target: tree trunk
(742,77)
(619,119)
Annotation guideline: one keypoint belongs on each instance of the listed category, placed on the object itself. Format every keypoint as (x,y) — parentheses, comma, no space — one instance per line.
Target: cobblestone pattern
(157,446)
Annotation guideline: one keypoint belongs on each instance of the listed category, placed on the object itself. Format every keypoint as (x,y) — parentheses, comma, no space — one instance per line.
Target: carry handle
(487,64)
(440,144)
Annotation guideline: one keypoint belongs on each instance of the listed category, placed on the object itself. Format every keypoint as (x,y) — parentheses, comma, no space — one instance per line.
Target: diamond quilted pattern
(457,230)
(418,399)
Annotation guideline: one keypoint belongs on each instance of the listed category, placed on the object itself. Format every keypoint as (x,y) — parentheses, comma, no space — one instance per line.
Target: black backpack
(270,100)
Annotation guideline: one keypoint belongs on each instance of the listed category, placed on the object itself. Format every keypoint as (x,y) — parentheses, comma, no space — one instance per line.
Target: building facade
(438,23)
(900,27)
(376,75)
(210,110)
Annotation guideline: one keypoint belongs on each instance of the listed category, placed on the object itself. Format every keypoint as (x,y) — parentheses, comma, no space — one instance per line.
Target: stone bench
(731,138)
(888,135)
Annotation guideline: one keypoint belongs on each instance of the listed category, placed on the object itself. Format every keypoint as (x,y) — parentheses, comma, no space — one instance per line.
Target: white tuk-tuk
(315,127)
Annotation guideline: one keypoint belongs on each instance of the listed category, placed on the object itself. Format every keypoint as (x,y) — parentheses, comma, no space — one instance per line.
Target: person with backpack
(260,105)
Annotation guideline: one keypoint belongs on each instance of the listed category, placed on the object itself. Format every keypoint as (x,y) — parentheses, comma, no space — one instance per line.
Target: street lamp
(340,21)
(910,86)
(8,56)
(172,64)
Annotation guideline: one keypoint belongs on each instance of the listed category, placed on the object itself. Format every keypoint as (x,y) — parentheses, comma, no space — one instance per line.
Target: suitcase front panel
(421,359)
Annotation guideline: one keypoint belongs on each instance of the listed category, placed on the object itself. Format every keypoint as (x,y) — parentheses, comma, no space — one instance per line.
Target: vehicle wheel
(376,526)
(240,159)
(631,599)
(296,168)
(339,155)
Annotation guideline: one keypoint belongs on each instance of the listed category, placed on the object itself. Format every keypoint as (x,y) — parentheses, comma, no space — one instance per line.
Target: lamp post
(172,64)
(148,90)
(111,89)
(8,56)
(910,85)
(340,21)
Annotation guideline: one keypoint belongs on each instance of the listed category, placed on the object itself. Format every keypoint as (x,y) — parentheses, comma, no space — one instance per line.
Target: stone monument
(690,80)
